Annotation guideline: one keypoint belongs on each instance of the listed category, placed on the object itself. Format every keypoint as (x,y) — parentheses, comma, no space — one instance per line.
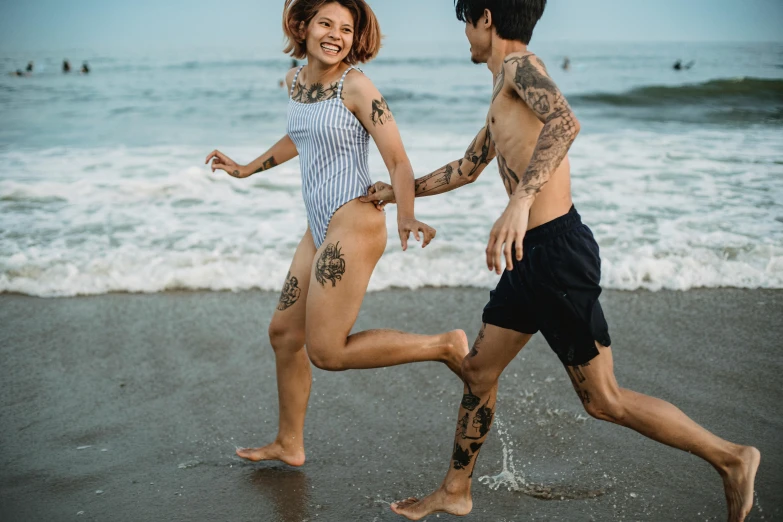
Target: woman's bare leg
(294,376)
(341,272)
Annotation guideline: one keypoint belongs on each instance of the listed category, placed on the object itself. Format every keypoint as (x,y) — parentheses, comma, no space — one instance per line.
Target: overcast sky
(113,25)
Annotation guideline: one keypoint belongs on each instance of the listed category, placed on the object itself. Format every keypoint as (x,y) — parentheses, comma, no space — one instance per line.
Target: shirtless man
(551,281)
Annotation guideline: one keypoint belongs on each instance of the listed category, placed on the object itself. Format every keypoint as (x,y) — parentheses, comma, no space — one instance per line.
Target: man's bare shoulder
(519,61)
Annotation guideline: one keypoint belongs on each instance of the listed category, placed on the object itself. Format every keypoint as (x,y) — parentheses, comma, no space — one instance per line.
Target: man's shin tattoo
(470,401)
(461,457)
(330,266)
(290,294)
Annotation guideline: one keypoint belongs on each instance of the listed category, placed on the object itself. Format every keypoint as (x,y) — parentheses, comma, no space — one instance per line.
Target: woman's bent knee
(324,360)
(327,356)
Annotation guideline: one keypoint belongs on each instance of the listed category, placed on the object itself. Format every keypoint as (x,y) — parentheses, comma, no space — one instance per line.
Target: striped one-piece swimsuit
(333,150)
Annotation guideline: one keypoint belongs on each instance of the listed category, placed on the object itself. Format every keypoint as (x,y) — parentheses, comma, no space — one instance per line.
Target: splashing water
(512,480)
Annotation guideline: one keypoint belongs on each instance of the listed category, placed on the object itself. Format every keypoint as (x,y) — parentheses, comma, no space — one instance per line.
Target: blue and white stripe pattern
(333,150)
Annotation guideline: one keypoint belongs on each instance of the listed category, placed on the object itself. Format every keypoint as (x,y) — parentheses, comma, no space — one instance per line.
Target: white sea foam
(669,211)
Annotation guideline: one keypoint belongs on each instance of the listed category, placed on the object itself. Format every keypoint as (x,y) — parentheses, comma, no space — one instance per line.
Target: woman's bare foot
(438,502)
(457,350)
(738,482)
(275,451)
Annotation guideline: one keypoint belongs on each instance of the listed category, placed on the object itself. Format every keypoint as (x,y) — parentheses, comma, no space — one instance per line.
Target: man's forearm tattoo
(545,99)
(316,92)
(431,182)
(381,113)
(290,294)
(477,157)
(268,164)
(330,266)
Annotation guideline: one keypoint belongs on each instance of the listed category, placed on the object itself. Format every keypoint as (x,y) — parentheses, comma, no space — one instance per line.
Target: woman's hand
(380,195)
(407,225)
(223,162)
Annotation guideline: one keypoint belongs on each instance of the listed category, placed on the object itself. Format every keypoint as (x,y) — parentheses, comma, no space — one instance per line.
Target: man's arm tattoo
(478,158)
(268,164)
(430,182)
(541,94)
(381,113)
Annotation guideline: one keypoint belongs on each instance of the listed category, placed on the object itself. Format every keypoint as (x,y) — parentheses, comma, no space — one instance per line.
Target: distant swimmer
(29,68)
(567,64)
(678,65)
(85,68)
(294,63)
(66,66)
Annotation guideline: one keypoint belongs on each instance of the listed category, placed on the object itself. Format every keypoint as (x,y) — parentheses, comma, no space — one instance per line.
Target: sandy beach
(130,407)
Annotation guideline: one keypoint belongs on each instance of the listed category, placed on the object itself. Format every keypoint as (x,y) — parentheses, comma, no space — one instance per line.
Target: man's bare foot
(738,483)
(458,349)
(438,502)
(274,451)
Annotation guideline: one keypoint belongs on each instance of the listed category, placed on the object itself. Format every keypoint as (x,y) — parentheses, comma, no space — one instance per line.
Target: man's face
(480,38)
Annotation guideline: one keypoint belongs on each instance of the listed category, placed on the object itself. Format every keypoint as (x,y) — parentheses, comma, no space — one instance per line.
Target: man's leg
(603,399)
(493,350)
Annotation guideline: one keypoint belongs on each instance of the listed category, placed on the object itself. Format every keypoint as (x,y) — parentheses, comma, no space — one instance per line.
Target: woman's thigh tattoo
(330,266)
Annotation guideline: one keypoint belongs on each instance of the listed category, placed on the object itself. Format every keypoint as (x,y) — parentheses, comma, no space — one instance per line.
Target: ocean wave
(137,270)
(726,101)
(754,90)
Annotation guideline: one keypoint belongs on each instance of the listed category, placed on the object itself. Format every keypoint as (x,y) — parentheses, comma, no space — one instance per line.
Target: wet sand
(130,407)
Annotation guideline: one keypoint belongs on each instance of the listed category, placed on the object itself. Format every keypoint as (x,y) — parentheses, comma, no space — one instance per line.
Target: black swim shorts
(555,289)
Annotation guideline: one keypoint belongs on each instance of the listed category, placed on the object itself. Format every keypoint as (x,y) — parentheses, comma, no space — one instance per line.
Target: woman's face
(330,34)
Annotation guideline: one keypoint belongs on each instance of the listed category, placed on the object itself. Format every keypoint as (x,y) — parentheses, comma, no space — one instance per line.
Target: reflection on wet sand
(288,489)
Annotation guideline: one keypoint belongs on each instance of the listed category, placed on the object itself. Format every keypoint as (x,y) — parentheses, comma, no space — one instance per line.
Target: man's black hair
(512,19)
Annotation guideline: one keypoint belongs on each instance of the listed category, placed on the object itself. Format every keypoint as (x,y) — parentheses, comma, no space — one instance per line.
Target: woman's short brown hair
(366,35)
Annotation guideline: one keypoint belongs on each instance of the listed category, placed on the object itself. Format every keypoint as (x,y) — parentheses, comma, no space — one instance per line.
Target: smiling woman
(364,33)
(333,113)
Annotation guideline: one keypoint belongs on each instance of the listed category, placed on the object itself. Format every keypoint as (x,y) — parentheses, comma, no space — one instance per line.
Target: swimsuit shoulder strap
(296,76)
(342,80)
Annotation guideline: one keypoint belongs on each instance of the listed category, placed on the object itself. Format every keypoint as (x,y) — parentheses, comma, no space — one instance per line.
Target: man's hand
(407,225)
(380,195)
(508,230)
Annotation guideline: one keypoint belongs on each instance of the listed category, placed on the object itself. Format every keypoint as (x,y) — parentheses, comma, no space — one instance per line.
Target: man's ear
(486,20)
